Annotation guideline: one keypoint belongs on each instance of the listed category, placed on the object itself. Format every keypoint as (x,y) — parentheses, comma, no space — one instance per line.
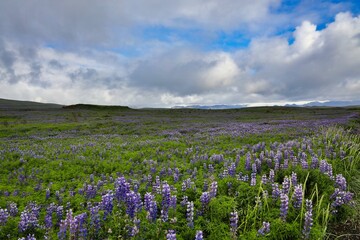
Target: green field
(107,172)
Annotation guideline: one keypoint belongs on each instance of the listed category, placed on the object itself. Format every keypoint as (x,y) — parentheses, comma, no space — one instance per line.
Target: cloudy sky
(161,53)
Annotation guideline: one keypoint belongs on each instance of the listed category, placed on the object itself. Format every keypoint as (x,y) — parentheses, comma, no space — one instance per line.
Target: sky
(161,53)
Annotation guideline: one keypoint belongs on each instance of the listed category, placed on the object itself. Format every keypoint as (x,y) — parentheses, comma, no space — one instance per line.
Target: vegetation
(92,172)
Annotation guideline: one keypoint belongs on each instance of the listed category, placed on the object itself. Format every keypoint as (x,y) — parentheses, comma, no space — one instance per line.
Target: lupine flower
(81,222)
(232,170)
(253,167)
(47,195)
(107,203)
(152,212)
(253,179)
(59,213)
(264,229)
(205,199)
(171,235)
(284,205)
(304,164)
(314,162)
(148,198)
(29,218)
(199,235)
(340,198)
(213,189)
(122,188)
(340,182)
(48,217)
(234,218)
(166,195)
(4,215)
(95,219)
(248,162)
(297,197)
(134,230)
(286,185)
(190,214)
(184,201)
(271,175)
(133,203)
(275,191)
(264,179)
(13,210)
(308,219)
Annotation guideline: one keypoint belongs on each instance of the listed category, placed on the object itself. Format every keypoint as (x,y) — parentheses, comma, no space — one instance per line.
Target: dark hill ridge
(95,107)
(6,104)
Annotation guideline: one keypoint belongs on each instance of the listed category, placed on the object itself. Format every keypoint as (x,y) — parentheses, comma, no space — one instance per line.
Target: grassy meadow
(97,172)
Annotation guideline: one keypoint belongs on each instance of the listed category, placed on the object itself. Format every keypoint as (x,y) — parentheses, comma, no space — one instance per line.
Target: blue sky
(158,53)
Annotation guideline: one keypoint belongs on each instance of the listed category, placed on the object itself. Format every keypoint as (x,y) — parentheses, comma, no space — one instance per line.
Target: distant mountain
(6,104)
(211,107)
(332,104)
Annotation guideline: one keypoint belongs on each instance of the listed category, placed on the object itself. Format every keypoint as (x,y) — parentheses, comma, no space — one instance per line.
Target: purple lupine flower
(95,219)
(206,186)
(284,206)
(122,188)
(173,201)
(59,213)
(135,229)
(234,218)
(264,179)
(90,191)
(248,161)
(314,162)
(304,164)
(275,191)
(4,215)
(293,179)
(62,230)
(148,198)
(184,201)
(271,175)
(286,185)
(166,195)
(298,195)
(133,203)
(205,199)
(213,189)
(152,212)
(253,179)
(81,222)
(211,168)
(171,235)
(48,217)
(340,182)
(47,195)
(264,229)
(199,235)
(107,203)
(254,168)
(340,198)
(13,210)
(29,218)
(190,214)
(308,219)
(232,170)
(156,186)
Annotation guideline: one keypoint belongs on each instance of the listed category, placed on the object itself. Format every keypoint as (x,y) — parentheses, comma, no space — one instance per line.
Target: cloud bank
(101,52)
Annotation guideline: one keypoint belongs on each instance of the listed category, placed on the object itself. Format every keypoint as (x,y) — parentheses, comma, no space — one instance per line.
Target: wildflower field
(91,172)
